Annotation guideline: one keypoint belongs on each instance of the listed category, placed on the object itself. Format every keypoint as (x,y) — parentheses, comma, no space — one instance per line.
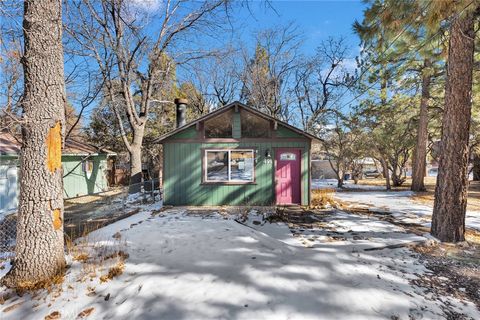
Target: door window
(288,156)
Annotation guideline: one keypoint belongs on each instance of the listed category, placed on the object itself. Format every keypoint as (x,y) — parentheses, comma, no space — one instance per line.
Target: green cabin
(84,170)
(235,155)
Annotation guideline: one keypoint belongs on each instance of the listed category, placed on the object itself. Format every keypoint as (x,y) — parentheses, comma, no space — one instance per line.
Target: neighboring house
(84,170)
(322,169)
(235,155)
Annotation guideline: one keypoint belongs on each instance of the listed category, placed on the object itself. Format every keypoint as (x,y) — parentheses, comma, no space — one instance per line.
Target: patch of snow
(323,183)
(349,184)
(184,266)
(402,207)
(134,197)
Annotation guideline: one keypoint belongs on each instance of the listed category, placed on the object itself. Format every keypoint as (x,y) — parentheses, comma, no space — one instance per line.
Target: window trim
(229,150)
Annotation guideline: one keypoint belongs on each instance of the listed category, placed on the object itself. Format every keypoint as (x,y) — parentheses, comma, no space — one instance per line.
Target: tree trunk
(420,154)
(135,151)
(340,182)
(476,167)
(448,220)
(39,251)
(386,173)
(397,179)
(136,176)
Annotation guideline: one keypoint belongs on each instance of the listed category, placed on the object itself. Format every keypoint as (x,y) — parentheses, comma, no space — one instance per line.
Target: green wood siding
(183,175)
(237,126)
(283,132)
(76,183)
(188,133)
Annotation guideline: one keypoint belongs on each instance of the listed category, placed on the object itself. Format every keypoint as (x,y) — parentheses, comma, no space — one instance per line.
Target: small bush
(322,198)
(114,271)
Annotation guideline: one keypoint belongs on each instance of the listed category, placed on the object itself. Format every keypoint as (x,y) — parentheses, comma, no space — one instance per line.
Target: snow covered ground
(183,266)
(399,203)
(402,206)
(349,185)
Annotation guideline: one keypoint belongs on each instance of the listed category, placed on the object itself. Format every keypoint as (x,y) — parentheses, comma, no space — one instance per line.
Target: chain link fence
(87,213)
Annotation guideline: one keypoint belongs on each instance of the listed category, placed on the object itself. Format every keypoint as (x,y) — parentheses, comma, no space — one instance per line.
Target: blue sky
(317,19)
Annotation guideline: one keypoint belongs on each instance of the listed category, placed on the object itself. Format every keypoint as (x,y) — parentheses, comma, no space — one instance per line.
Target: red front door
(287,176)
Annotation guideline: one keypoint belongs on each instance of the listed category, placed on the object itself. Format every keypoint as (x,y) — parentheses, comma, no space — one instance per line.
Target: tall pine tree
(39,251)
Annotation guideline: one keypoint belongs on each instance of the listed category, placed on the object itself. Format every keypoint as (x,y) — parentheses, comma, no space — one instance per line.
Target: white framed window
(288,156)
(229,165)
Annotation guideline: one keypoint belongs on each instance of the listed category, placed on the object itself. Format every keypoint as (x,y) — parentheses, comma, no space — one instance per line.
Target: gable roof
(228,107)
(10,145)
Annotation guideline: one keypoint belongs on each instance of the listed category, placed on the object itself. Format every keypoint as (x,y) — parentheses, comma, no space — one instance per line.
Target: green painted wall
(188,133)
(237,126)
(284,132)
(182,175)
(76,183)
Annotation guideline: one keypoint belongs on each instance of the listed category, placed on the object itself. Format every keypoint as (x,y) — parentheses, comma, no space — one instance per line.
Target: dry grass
(473,201)
(82,257)
(96,197)
(29,286)
(103,258)
(117,254)
(472,236)
(97,256)
(322,198)
(53,316)
(114,271)
(85,313)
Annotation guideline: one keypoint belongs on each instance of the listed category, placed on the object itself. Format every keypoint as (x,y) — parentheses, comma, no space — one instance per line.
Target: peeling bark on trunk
(39,252)
(448,220)
(420,154)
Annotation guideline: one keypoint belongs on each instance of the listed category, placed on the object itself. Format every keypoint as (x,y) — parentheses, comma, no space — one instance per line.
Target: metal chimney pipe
(181,111)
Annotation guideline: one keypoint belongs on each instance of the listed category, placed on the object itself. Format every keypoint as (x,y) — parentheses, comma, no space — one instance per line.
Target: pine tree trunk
(39,251)
(420,154)
(448,220)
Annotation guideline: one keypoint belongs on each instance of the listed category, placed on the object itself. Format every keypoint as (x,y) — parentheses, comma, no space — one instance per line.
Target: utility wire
(382,56)
(417,49)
